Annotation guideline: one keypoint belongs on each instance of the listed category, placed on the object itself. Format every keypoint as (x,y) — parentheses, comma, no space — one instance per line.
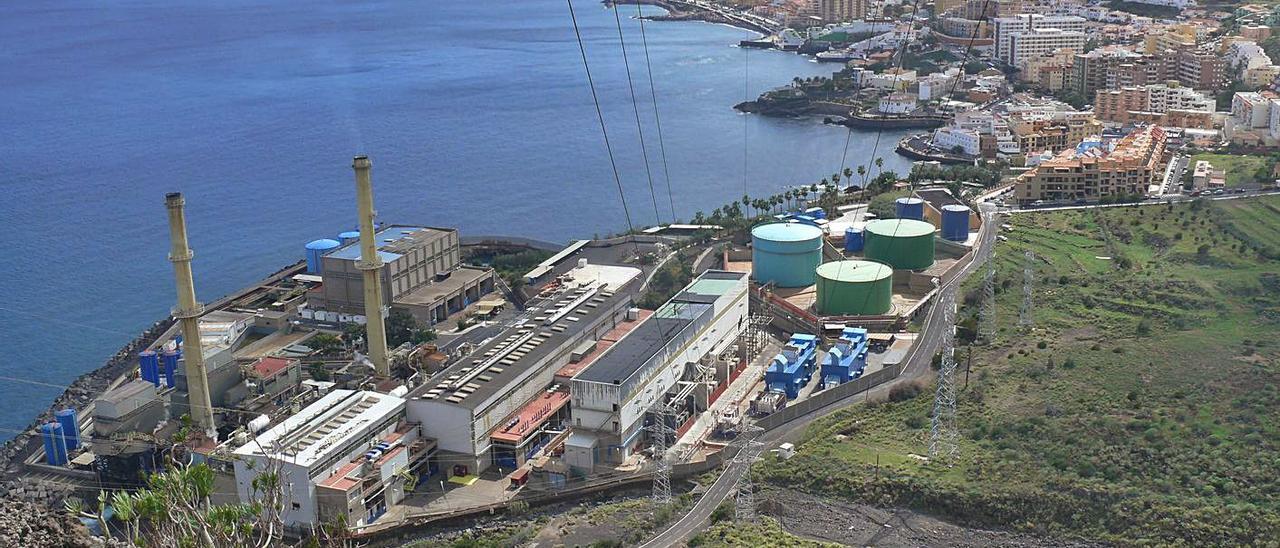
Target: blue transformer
(349,236)
(791,370)
(847,359)
(785,254)
(909,208)
(149,366)
(55,447)
(317,249)
(816,213)
(170,369)
(853,240)
(955,222)
(70,427)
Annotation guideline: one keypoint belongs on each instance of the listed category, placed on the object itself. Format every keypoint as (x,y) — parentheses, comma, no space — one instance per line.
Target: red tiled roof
(269,367)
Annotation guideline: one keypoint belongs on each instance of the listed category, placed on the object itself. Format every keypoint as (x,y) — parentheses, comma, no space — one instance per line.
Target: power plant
(188,314)
(371,265)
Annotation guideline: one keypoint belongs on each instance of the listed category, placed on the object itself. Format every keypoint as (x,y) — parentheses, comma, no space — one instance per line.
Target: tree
(879,166)
(325,343)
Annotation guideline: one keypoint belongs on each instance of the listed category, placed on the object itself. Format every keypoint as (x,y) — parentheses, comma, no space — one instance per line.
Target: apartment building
(836,11)
(1008,27)
(1155,104)
(1126,167)
(1038,42)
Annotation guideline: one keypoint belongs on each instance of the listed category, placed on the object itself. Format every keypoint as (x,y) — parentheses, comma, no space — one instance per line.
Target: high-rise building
(1038,42)
(1007,27)
(1155,104)
(1092,172)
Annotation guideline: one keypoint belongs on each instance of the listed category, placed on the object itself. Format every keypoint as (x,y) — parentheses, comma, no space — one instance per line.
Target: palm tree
(879,166)
(746,200)
(789,195)
(835,177)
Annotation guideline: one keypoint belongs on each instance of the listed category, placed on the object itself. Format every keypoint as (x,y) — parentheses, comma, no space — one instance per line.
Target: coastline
(676,12)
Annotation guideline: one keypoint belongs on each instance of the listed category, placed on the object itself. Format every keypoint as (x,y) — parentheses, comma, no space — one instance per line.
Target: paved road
(917,364)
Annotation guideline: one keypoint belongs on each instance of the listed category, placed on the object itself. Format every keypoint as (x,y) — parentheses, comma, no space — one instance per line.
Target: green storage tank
(854,288)
(904,244)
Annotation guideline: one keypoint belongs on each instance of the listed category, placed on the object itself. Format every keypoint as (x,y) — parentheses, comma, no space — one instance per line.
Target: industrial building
(847,358)
(421,273)
(476,409)
(792,369)
(613,396)
(318,447)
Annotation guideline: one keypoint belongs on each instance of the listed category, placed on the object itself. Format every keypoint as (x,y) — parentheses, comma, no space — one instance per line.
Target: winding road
(917,364)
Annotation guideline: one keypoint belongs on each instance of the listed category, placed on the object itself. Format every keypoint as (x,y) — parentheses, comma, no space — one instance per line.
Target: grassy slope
(766,532)
(1151,414)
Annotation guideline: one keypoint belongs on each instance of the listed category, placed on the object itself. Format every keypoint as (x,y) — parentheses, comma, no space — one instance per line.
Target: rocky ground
(30,524)
(855,524)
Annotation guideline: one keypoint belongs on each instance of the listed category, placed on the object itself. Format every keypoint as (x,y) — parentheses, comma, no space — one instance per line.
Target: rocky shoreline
(679,13)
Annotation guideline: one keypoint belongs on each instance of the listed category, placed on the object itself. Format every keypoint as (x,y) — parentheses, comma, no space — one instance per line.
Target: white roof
(324,426)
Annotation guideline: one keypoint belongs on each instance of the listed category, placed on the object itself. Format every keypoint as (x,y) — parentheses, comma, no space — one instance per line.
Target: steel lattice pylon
(942,432)
(744,504)
(659,431)
(1028,286)
(987,327)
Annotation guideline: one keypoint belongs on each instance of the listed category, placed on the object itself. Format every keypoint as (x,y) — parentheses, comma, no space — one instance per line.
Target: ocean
(476,115)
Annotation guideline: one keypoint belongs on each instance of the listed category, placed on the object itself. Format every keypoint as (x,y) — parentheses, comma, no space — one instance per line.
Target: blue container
(785,254)
(55,447)
(349,236)
(816,213)
(70,428)
(909,208)
(955,222)
(853,240)
(170,369)
(149,366)
(317,249)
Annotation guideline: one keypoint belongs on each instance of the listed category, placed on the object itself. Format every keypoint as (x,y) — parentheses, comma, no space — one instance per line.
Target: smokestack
(371,265)
(188,312)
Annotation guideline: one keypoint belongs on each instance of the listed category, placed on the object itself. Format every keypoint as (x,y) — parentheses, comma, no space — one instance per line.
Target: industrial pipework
(188,313)
(371,265)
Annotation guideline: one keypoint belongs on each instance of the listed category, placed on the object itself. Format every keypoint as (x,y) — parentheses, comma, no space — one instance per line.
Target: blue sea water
(476,114)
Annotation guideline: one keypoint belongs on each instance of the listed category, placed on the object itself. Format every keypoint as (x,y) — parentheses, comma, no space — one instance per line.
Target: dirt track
(862,525)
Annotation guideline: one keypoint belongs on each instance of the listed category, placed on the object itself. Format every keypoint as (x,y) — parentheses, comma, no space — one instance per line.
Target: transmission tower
(942,433)
(1028,284)
(987,313)
(659,431)
(744,504)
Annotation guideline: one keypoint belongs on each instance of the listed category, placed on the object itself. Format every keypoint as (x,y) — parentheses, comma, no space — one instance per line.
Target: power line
(635,107)
(657,118)
(600,116)
(746,96)
(942,431)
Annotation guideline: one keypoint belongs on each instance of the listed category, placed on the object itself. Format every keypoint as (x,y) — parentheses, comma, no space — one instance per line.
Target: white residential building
(1164,98)
(949,139)
(1243,55)
(1274,126)
(1041,41)
(896,103)
(1250,110)
(1180,4)
(1006,27)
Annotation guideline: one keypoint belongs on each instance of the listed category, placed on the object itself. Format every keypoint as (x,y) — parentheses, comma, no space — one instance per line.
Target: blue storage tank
(853,239)
(909,208)
(55,447)
(70,427)
(955,222)
(149,366)
(170,368)
(349,236)
(786,254)
(317,249)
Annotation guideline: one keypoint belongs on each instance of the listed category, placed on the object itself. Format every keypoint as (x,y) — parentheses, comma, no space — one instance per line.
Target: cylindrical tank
(349,236)
(785,254)
(904,244)
(955,222)
(857,288)
(55,447)
(317,249)
(170,368)
(259,423)
(909,208)
(148,366)
(853,239)
(70,427)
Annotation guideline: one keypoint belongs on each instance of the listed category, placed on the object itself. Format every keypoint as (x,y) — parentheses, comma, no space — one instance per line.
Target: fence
(829,396)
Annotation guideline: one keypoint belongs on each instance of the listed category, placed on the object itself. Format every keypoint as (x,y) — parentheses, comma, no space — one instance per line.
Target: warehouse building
(492,407)
(316,444)
(614,394)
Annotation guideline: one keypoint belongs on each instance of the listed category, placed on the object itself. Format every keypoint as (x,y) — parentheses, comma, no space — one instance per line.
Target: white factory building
(476,408)
(612,396)
(356,435)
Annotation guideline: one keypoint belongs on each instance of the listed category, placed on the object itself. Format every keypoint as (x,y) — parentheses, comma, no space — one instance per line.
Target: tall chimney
(188,312)
(371,265)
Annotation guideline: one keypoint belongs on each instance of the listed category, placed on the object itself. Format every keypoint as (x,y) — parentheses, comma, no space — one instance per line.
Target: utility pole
(659,431)
(1028,284)
(942,433)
